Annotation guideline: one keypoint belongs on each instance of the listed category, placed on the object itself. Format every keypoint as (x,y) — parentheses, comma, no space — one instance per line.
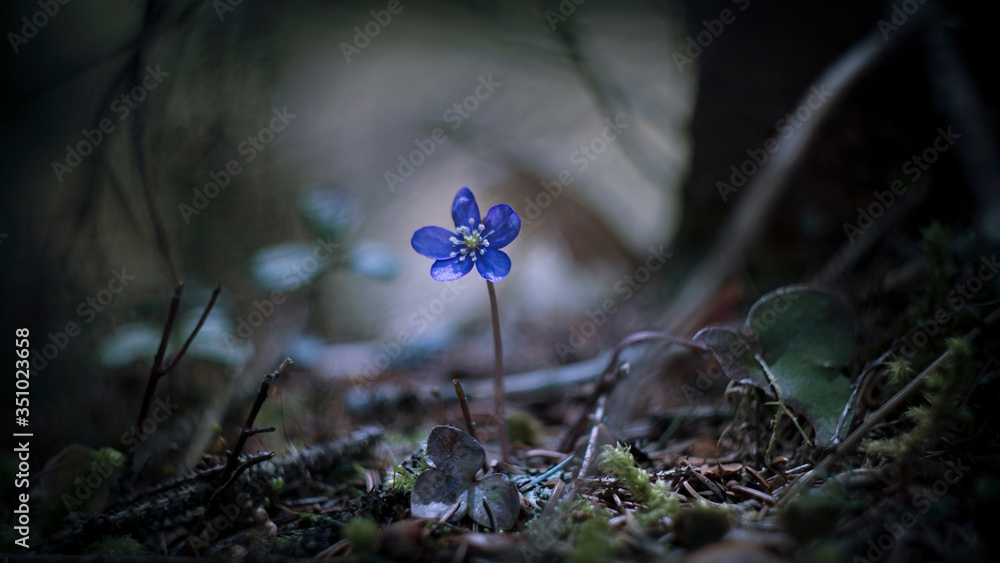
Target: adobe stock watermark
(455,116)
(30,27)
(159,412)
(364,35)
(762,321)
(566,9)
(898,17)
(122,106)
(704,39)
(87,310)
(249,149)
(920,503)
(226,517)
(224,7)
(582,157)
(959,295)
(913,168)
(785,128)
(625,287)
(298,275)
(419,321)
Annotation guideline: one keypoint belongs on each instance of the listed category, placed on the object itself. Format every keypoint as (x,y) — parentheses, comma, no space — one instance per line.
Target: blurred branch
(956,96)
(248,430)
(158,369)
(762,193)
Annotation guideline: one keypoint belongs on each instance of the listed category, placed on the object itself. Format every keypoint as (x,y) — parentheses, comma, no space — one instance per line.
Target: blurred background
(288,151)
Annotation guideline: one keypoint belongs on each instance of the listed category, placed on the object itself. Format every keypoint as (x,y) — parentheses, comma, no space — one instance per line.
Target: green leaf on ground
(804,336)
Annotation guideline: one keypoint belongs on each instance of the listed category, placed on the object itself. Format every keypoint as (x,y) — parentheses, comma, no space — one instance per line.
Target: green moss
(277,484)
(701,524)
(899,373)
(402,476)
(595,542)
(308,519)
(936,245)
(123,546)
(361,532)
(523,428)
(810,516)
(657,497)
(944,391)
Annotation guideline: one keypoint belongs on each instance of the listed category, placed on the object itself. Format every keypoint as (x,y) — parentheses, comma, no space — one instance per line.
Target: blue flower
(475,241)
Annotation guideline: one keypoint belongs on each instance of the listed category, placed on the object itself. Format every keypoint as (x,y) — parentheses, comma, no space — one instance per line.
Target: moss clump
(595,541)
(523,428)
(122,546)
(810,516)
(657,497)
(402,476)
(944,391)
(899,372)
(936,245)
(362,533)
(701,524)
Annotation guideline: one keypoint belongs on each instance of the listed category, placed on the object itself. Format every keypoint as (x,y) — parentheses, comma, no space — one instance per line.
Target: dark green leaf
(374,260)
(286,267)
(455,452)
(329,211)
(495,498)
(806,337)
(435,492)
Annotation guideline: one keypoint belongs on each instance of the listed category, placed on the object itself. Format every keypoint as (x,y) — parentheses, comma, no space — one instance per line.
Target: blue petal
(464,210)
(433,242)
(494,265)
(451,269)
(505,222)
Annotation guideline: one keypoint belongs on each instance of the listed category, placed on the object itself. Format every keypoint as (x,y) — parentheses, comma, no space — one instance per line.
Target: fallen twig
(248,429)
(890,406)
(460,393)
(158,369)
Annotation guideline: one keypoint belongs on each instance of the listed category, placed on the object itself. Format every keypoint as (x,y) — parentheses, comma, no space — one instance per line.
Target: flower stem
(498,373)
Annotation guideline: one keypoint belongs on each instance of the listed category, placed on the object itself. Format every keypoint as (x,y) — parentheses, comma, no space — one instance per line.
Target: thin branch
(157,371)
(248,429)
(890,406)
(197,328)
(465,408)
(588,456)
(612,375)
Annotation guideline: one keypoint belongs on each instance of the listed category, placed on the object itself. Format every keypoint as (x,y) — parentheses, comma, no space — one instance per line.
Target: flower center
(473,242)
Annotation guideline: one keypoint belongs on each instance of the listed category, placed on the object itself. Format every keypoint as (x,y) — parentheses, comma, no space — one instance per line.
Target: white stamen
(473,257)
(472,221)
(482,251)
(462,258)
(453,254)
(464,251)
(482,227)
(486,242)
(454,240)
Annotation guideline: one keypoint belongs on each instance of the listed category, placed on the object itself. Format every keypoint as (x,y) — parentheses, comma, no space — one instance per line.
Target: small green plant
(595,541)
(899,372)
(452,487)
(362,533)
(942,410)
(122,546)
(657,497)
(402,475)
(936,246)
